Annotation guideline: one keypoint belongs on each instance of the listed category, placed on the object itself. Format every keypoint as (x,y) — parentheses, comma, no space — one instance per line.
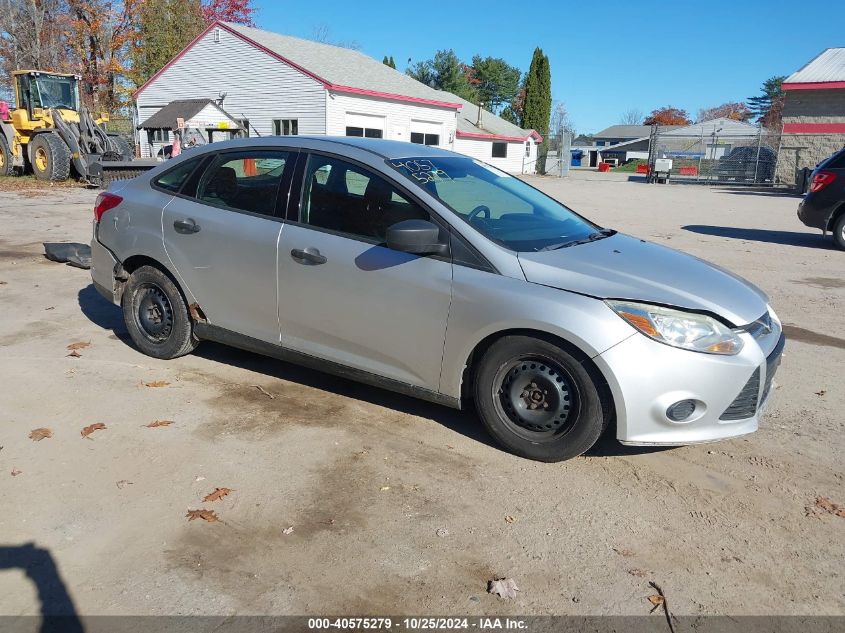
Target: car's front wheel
(539,401)
(839,232)
(156,316)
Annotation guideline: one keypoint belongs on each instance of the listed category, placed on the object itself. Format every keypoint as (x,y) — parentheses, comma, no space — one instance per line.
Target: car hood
(625,267)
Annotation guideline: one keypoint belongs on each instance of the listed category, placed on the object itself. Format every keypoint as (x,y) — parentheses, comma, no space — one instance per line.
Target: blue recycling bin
(577,155)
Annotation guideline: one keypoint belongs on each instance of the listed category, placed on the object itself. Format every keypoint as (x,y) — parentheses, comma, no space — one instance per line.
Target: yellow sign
(223,125)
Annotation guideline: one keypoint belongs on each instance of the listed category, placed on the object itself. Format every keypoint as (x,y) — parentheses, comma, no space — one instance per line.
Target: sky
(606,56)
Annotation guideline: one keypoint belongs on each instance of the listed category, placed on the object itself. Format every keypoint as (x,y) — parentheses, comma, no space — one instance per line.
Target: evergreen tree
(391,63)
(537,109)
(384,61)
(444,72)
(496,81)
(766,107)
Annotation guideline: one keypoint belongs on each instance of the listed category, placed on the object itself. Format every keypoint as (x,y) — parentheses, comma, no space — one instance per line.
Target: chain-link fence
(717,152)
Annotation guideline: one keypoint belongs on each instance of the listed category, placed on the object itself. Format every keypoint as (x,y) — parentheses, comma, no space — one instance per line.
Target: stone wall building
(813,114)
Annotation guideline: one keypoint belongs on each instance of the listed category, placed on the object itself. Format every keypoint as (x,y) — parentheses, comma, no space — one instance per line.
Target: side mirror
(419,237)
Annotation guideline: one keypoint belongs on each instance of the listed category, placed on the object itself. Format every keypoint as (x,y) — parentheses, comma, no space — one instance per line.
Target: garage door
(364,125)
(425,132)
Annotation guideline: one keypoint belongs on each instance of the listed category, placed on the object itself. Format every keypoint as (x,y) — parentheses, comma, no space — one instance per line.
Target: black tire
(50,157)
(123,147)
(569,412)
(156,316)
(6,168)
(839,232)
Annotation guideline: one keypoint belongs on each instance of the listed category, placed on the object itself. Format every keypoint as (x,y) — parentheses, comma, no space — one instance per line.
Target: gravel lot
(398,506)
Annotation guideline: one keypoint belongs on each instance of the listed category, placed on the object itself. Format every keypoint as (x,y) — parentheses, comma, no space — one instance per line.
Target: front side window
(247,181)
(173,179)
(502,208)
(500,150)
(343,197)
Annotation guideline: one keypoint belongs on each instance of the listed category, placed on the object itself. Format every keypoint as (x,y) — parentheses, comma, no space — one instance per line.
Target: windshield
(57,92)
(499,206)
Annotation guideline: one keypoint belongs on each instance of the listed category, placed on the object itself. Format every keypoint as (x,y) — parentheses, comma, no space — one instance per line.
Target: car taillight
(821,180)
(105,202)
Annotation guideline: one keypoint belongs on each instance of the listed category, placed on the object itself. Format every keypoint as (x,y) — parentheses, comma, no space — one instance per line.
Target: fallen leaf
(157,423)
(16,472)
(39,434)
(205,515)
(510,519)
(91,428)
(505,588)
(78,345)
(75,354)
(656,600)
(218,493)
(288,530)
(123,483)
(157,383)
(828,506)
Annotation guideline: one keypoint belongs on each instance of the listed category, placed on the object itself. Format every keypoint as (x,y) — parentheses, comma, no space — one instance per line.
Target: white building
(275,84)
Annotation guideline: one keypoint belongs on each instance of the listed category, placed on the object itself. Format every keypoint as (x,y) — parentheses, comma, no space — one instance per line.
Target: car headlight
(687,330)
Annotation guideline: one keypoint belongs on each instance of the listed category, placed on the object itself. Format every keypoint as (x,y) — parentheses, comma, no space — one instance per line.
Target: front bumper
(647,377)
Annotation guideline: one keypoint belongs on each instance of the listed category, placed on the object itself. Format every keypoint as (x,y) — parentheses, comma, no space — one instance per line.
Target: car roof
(381,147)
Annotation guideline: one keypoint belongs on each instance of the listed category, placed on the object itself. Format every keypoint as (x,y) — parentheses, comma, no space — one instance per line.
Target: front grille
(745,404)
(772,364)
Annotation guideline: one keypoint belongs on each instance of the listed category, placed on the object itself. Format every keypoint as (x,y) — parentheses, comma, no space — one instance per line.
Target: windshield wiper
(592,237)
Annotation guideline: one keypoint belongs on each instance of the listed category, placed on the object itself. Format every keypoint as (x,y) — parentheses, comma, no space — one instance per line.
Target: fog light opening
(681,410)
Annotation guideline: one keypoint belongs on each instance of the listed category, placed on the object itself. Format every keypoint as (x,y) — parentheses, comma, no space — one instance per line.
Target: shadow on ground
(56,606)
(786,238)
(109,317)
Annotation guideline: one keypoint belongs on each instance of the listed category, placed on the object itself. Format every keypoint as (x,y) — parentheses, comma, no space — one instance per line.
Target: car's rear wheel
(539,401)
(156,315)
(839,232)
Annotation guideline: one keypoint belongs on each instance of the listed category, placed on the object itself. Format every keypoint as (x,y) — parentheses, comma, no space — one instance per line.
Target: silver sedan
(430,273)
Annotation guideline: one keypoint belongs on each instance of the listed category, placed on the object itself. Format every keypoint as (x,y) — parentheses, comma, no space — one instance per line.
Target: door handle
(186,226)
(309,256)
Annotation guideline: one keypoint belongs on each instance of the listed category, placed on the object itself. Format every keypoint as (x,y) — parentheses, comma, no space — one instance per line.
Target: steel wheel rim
(41,159)
(536,398)
(154,313)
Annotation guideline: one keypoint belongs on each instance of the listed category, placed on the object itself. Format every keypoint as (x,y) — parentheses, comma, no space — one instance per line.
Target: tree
(238,11)
(560,121)
(538,100)
(667,115)
(496,82)
(162,29)
(767,107)
(444,72)
(389,62)
(632,116)
(322,33)
(736,110)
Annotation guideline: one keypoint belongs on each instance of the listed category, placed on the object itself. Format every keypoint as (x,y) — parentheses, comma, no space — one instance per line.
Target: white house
(275,84)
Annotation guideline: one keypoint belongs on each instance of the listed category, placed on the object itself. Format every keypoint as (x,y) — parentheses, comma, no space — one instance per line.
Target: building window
(425,139)
(160,136)
(363,131)
(500,150)
(527,149)
(244,123)
(216,35)
(285,127)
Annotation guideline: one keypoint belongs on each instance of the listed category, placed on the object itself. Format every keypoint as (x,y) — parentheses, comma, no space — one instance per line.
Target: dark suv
(824,205)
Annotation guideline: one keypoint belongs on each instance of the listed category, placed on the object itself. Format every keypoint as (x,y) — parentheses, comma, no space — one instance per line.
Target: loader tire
(6,168)
(50,157)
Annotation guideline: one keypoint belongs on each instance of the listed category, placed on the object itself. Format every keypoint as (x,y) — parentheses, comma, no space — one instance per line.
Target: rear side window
(246,181)
(173,179)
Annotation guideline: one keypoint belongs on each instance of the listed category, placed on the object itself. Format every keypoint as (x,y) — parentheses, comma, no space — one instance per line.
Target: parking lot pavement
(350,500)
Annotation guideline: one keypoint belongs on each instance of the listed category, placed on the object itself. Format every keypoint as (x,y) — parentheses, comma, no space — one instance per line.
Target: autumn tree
(667,115)
(237,11)
(736,110)
(162,29)
(767,107)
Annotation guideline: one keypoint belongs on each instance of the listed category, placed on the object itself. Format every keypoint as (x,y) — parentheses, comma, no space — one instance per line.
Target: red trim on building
(494,137)
(326,84)
(814,85)
(814,128)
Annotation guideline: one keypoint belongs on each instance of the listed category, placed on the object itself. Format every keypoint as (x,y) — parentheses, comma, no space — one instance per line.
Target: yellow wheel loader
(50,134)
